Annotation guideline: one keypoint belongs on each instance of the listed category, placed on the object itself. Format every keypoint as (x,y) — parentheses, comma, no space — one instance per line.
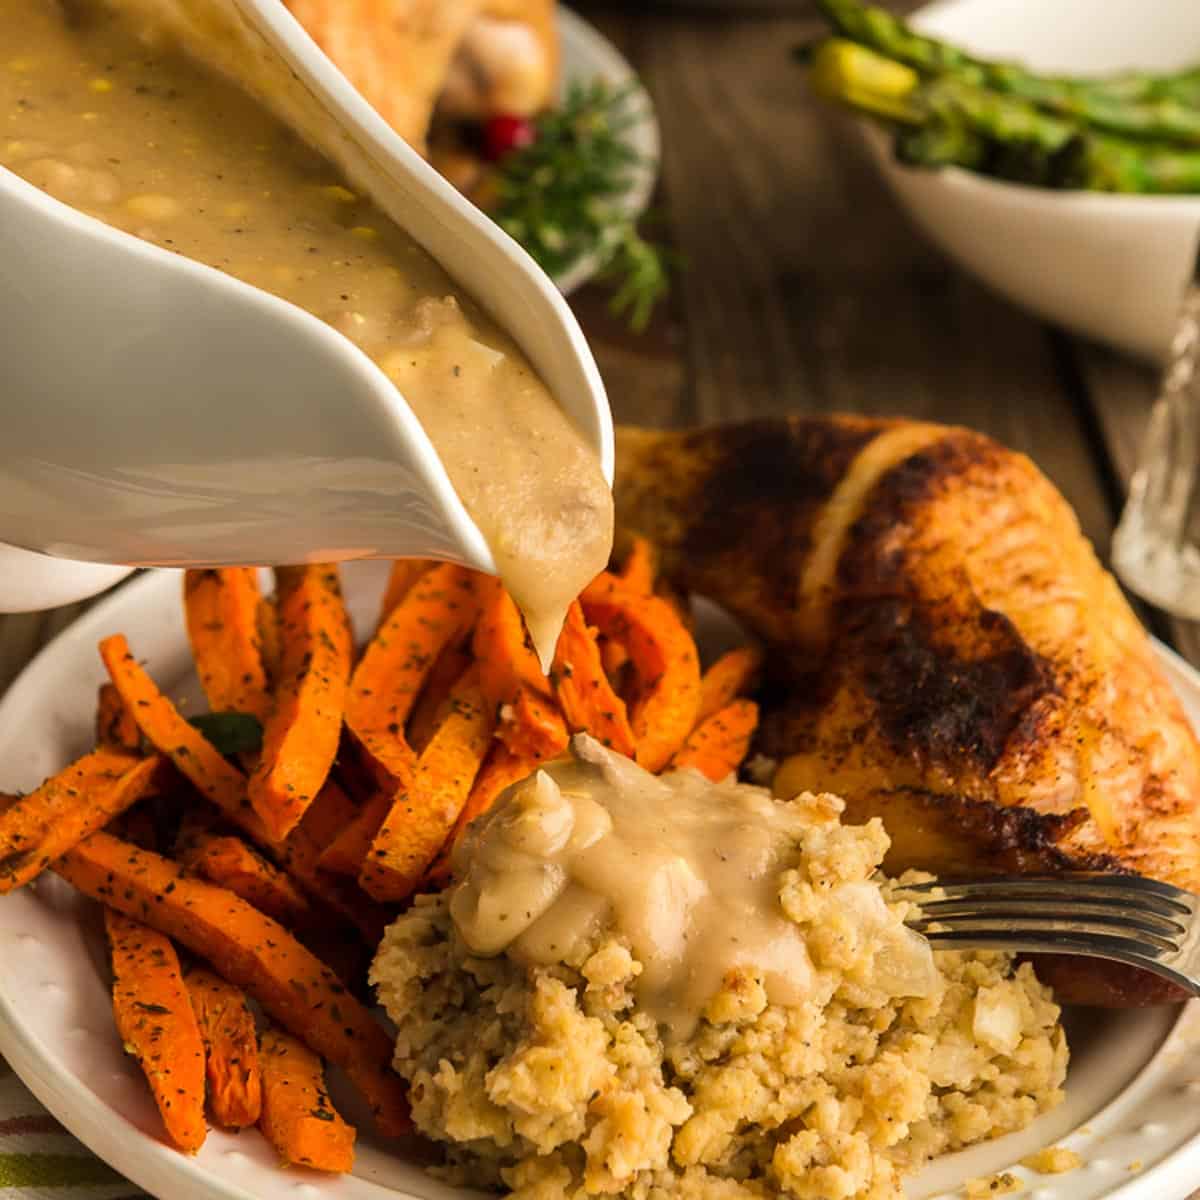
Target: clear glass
(1156,549)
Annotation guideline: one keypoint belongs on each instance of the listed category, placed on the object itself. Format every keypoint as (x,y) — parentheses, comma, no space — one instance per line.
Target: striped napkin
(40,1160)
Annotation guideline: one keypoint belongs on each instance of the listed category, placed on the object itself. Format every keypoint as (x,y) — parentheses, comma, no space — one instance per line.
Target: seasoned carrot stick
(229,862)
(300,737)
(404,574)
(717,746)
(640,567)
(533,726)
(729,677)
(439,610)
(450,667)
(115,727)
(664,656)
(250,950)
(157,1025)
(191,752)
(346,853)
(516,689)
(38,828)
(300,857)
(230,1049)
(501,769)
(615,658)
(423,816)
(267,619)
(298,1118)
(507,662)
(222,608)
(583,690)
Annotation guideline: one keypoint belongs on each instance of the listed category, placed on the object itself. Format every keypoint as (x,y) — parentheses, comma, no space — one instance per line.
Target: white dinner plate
(588,55)
(1133,1092)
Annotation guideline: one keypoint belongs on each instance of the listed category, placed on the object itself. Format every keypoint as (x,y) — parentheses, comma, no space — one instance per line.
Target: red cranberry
(505,133)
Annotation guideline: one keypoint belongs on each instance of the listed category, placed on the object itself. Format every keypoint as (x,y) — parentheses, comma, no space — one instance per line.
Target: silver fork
(1122,917)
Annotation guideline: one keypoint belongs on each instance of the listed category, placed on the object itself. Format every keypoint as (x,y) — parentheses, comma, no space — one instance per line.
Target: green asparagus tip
(851,74)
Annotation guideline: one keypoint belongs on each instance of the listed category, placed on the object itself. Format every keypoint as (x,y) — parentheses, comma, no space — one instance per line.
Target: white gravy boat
(161,413)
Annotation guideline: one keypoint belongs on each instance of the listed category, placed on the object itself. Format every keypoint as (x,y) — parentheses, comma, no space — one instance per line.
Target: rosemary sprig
(563,196)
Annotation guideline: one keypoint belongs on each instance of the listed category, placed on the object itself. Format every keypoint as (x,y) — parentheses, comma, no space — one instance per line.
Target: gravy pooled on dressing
(136,134)
(688,871)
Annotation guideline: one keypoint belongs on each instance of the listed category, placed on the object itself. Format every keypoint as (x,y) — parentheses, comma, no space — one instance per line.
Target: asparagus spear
(1132,105)
(945,121)
(1115,165)
(872,83)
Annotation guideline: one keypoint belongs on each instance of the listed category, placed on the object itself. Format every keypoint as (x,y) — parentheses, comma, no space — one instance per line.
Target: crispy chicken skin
(952,656)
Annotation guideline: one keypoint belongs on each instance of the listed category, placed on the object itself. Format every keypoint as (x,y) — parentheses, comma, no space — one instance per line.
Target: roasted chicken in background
(951,656)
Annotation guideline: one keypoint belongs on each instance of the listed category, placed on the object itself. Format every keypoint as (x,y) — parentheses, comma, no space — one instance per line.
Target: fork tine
(1050,929)
(1145,894)
(1118,950)
(1117,913)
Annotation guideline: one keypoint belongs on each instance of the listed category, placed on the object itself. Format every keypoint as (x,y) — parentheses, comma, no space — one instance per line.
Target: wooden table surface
(805,288)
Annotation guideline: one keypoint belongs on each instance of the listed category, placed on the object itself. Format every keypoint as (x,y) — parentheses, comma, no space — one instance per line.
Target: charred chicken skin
(951,655)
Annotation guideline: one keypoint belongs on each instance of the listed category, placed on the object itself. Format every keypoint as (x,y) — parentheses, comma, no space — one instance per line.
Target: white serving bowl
(1110,267)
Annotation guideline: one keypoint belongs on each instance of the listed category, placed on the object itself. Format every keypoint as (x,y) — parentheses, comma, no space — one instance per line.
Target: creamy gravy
(125,128)
(686,870)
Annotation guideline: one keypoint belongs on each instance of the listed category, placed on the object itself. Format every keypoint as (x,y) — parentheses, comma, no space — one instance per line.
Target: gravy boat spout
(162,413)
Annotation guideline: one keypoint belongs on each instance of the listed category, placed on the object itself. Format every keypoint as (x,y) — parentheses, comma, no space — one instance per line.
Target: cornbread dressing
(102,110)
(601,1048)
(685,871)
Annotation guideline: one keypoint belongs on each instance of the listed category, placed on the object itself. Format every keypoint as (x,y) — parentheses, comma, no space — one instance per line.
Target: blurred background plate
(588,55)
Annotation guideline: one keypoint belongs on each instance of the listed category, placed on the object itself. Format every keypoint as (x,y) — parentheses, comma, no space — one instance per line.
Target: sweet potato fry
(404,574)
(300,857)
(717,746)
(515,687)
(252,951)
(507,661)
(268,637)
(729,677)
(451,666)
(230,863)
(534,726)
(615,658)
(664,656)
(346,853)
(439,610)
(640,567)
(584,693)
(423,816)
(230,1049)
(115,727)
(166,730)
(157,1025)
(300,737)
(222,608)
(298,1118)
(42,826)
